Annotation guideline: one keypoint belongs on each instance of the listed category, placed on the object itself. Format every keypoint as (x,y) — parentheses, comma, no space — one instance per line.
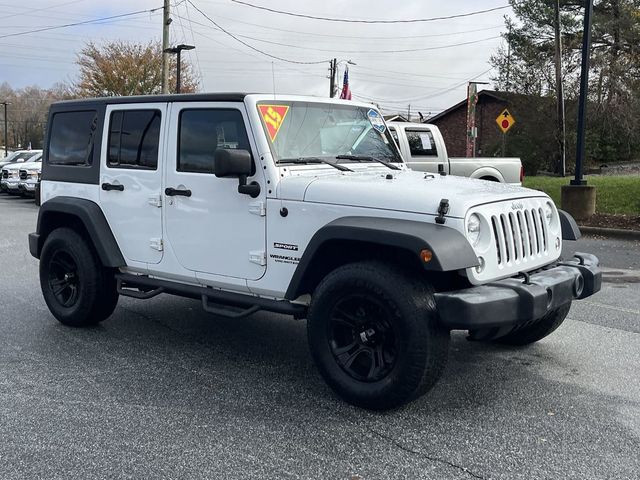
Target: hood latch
(443,209)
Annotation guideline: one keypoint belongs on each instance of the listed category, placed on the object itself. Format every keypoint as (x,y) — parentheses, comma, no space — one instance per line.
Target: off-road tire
(396,298)
(90,295)
(538,330)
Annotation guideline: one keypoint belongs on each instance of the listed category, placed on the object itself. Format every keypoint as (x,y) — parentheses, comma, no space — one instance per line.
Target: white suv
(301,206)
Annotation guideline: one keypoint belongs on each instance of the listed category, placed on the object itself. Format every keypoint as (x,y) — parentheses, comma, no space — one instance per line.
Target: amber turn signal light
(426,255)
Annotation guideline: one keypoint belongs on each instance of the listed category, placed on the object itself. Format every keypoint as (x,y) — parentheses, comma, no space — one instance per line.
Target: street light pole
(177,50)
(584,87)
(6,122)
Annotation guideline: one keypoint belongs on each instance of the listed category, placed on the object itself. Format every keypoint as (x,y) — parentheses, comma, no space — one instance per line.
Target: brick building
(453,124)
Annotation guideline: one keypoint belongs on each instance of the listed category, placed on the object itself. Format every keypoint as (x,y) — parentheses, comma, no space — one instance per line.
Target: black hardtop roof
(182,97)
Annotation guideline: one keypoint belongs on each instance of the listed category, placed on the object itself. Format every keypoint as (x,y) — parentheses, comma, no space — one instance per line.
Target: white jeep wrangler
(301,206)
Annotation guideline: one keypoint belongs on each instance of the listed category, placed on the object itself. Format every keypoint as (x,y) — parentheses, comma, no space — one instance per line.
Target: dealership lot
(163,389)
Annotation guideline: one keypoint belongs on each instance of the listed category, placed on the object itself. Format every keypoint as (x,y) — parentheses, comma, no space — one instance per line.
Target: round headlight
(473,229)
(548,212)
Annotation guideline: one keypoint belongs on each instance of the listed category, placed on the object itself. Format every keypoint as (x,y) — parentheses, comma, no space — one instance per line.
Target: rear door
(131,178)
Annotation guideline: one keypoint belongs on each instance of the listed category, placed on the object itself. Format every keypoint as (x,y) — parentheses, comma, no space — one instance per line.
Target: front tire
(374,336)
(78,290)
(543,327)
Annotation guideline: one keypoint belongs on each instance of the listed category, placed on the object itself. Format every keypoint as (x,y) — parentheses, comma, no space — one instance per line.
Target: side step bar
(143,287)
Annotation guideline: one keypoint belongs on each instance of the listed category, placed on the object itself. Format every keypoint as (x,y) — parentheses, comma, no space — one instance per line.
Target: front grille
(23,175)
(520,235)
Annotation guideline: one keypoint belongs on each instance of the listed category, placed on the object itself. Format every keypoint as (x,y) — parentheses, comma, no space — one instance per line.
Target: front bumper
(513,301)
(11,185)
(28,186)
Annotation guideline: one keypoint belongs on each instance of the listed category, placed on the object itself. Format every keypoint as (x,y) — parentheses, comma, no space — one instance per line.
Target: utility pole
(333,67)
(409,113)
(508,82)
(561,133)
(166,21)
(6,122)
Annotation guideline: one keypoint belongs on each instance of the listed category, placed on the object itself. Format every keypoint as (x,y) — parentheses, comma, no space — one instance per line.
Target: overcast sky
(429,80)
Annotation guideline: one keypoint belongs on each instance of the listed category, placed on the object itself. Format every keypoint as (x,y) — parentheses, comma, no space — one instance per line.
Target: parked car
(30,176)
(18,156)
(301,206)
(424,149)
(10,175)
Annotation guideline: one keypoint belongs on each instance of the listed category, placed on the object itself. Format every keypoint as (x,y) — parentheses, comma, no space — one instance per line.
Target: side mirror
(232,163)
(236,163)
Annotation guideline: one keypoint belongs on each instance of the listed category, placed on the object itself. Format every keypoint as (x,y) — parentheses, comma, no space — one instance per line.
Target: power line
(440,47)
(249,45)
(113,17)
(344,20)
(31,11)
(360,37)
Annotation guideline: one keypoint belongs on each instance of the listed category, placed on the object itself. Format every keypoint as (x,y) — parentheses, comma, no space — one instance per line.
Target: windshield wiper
(365,158)
(308,160)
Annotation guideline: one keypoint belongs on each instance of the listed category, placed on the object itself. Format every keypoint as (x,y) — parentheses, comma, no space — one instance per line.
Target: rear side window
(71,140)
(134,138)
(203,131)
(421,143)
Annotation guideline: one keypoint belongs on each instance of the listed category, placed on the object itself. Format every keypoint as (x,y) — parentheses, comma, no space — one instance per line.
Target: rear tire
(374,336)
(545,326)
(78,290)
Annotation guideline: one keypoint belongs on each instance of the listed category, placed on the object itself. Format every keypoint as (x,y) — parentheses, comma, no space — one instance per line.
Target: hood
(406,191)
(21,165)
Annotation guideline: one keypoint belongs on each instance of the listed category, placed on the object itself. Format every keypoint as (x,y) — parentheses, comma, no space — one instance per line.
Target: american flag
(346,92)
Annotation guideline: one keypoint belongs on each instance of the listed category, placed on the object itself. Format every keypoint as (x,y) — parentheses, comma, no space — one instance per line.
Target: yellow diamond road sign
(505,121)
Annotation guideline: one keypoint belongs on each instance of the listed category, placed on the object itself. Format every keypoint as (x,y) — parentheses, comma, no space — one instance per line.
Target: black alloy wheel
(63,279)
(362,338)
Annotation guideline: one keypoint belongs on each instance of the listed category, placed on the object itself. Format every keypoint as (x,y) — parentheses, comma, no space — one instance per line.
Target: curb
(611,232)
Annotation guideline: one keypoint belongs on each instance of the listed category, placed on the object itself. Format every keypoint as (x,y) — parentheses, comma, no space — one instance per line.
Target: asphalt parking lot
(164,390)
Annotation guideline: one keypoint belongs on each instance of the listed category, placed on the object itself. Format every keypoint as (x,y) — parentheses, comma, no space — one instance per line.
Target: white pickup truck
(423,149)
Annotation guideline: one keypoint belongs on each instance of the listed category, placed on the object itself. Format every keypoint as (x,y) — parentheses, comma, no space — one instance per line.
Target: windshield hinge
(258,208)
(259,257)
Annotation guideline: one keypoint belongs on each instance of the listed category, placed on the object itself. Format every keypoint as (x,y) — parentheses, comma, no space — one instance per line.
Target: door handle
(110,186)
(172,192)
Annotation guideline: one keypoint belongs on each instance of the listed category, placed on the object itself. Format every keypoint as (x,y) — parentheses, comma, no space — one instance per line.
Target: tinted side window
(202,132)
(134,137)
(421,143)
(71,141)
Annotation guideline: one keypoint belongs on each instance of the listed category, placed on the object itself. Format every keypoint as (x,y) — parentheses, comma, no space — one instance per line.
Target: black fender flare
(90,215)
(451,250)
(569,227)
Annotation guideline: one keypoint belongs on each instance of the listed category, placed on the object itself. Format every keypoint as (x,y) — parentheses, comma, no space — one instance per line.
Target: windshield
(21,157)
(299,130)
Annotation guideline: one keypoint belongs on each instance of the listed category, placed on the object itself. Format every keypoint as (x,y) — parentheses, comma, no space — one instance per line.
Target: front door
(131,178)
(211,227)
